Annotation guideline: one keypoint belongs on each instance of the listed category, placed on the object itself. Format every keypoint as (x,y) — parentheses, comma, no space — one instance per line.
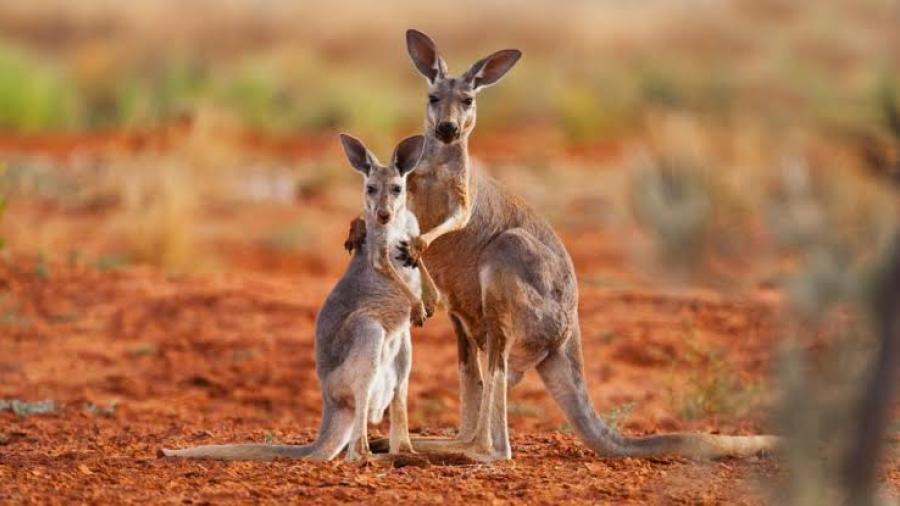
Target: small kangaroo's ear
(489,70)
(360,157)
(407,154)
(425,56)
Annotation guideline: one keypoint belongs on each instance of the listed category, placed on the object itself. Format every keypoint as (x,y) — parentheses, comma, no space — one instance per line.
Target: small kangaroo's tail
(334,433)
(562,372)
(249,451)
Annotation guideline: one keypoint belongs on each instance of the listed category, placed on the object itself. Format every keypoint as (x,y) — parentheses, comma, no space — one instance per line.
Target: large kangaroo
(509,283)
(363,347)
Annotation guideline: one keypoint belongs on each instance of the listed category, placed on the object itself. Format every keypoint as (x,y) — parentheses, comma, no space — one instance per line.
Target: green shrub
(34,96)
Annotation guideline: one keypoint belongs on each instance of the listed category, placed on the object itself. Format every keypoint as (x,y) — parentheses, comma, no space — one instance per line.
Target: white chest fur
(403,228)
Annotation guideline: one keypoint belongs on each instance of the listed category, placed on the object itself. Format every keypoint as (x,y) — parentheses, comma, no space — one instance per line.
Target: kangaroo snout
(383,216)
(447,131)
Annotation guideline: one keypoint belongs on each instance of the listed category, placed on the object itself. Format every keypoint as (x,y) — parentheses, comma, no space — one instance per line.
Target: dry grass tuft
(159,213)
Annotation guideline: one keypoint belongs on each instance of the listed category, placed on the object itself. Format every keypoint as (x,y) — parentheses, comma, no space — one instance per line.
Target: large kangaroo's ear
(407,154)
(425,56)
(489,70)
(360,157)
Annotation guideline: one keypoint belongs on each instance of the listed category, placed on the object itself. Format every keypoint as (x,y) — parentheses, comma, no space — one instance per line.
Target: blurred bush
(591,69)
(34,96)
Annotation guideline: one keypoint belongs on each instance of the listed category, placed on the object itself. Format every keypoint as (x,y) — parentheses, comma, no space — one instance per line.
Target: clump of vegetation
(831,345)
(34,96)
(26,408)
(693,215)
(143,349)
(159,212)
(111,262)
(713,387)
(100,410)
(830,227)
(41,267)
(674,202)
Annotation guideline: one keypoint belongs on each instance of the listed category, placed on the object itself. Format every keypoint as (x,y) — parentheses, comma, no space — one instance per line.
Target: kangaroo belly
(387,377)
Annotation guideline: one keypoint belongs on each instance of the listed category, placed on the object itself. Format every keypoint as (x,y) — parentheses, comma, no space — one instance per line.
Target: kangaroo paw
(357,235)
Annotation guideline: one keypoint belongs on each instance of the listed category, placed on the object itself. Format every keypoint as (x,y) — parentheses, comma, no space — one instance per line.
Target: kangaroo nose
(384,216)
(447,130)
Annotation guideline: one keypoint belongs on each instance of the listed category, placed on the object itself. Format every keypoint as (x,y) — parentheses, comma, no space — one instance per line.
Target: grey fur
(363,347)
(511,288)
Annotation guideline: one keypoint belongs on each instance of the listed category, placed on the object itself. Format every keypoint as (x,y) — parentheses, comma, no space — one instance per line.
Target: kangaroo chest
(389,240)
(452,258)
(432,193)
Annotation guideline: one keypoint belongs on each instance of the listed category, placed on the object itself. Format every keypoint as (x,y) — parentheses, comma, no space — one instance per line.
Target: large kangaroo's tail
(334,433)
(562,372)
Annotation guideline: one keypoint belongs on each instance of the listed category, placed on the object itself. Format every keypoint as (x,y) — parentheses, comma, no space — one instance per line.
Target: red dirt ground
(228,358)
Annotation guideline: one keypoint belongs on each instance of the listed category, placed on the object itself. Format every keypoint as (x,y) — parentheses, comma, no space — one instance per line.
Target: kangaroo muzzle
(447,131)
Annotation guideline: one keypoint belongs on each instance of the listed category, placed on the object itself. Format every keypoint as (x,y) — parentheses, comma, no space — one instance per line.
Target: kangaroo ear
(489,70)
(425,56)
(407,154)
(360,157)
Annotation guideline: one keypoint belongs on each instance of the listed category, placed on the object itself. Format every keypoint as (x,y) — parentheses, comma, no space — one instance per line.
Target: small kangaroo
(509,282)
(363,347)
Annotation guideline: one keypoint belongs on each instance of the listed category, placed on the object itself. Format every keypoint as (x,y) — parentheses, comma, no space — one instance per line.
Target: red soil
(228,358)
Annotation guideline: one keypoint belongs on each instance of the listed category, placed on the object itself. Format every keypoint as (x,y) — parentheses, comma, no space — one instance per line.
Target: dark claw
(405,256)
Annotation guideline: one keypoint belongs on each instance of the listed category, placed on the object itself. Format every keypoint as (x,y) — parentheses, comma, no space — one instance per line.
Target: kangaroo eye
(396,189)
(433,99)
(468,101)
(371,190)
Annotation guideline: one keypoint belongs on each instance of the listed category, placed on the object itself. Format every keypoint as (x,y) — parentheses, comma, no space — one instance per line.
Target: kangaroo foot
(477,452)
(470,450)
(380,445)
(420,444)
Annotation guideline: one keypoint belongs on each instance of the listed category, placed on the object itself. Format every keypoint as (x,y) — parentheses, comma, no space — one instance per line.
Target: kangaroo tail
(334,433)
(562,373)
(247,451)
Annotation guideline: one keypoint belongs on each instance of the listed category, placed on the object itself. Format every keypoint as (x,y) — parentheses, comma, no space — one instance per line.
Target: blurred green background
(591,68)
(712,128)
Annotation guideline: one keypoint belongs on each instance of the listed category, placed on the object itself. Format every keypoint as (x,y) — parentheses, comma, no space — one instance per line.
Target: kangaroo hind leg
(522,316)
(399,435)
(355,378)
(470,384)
